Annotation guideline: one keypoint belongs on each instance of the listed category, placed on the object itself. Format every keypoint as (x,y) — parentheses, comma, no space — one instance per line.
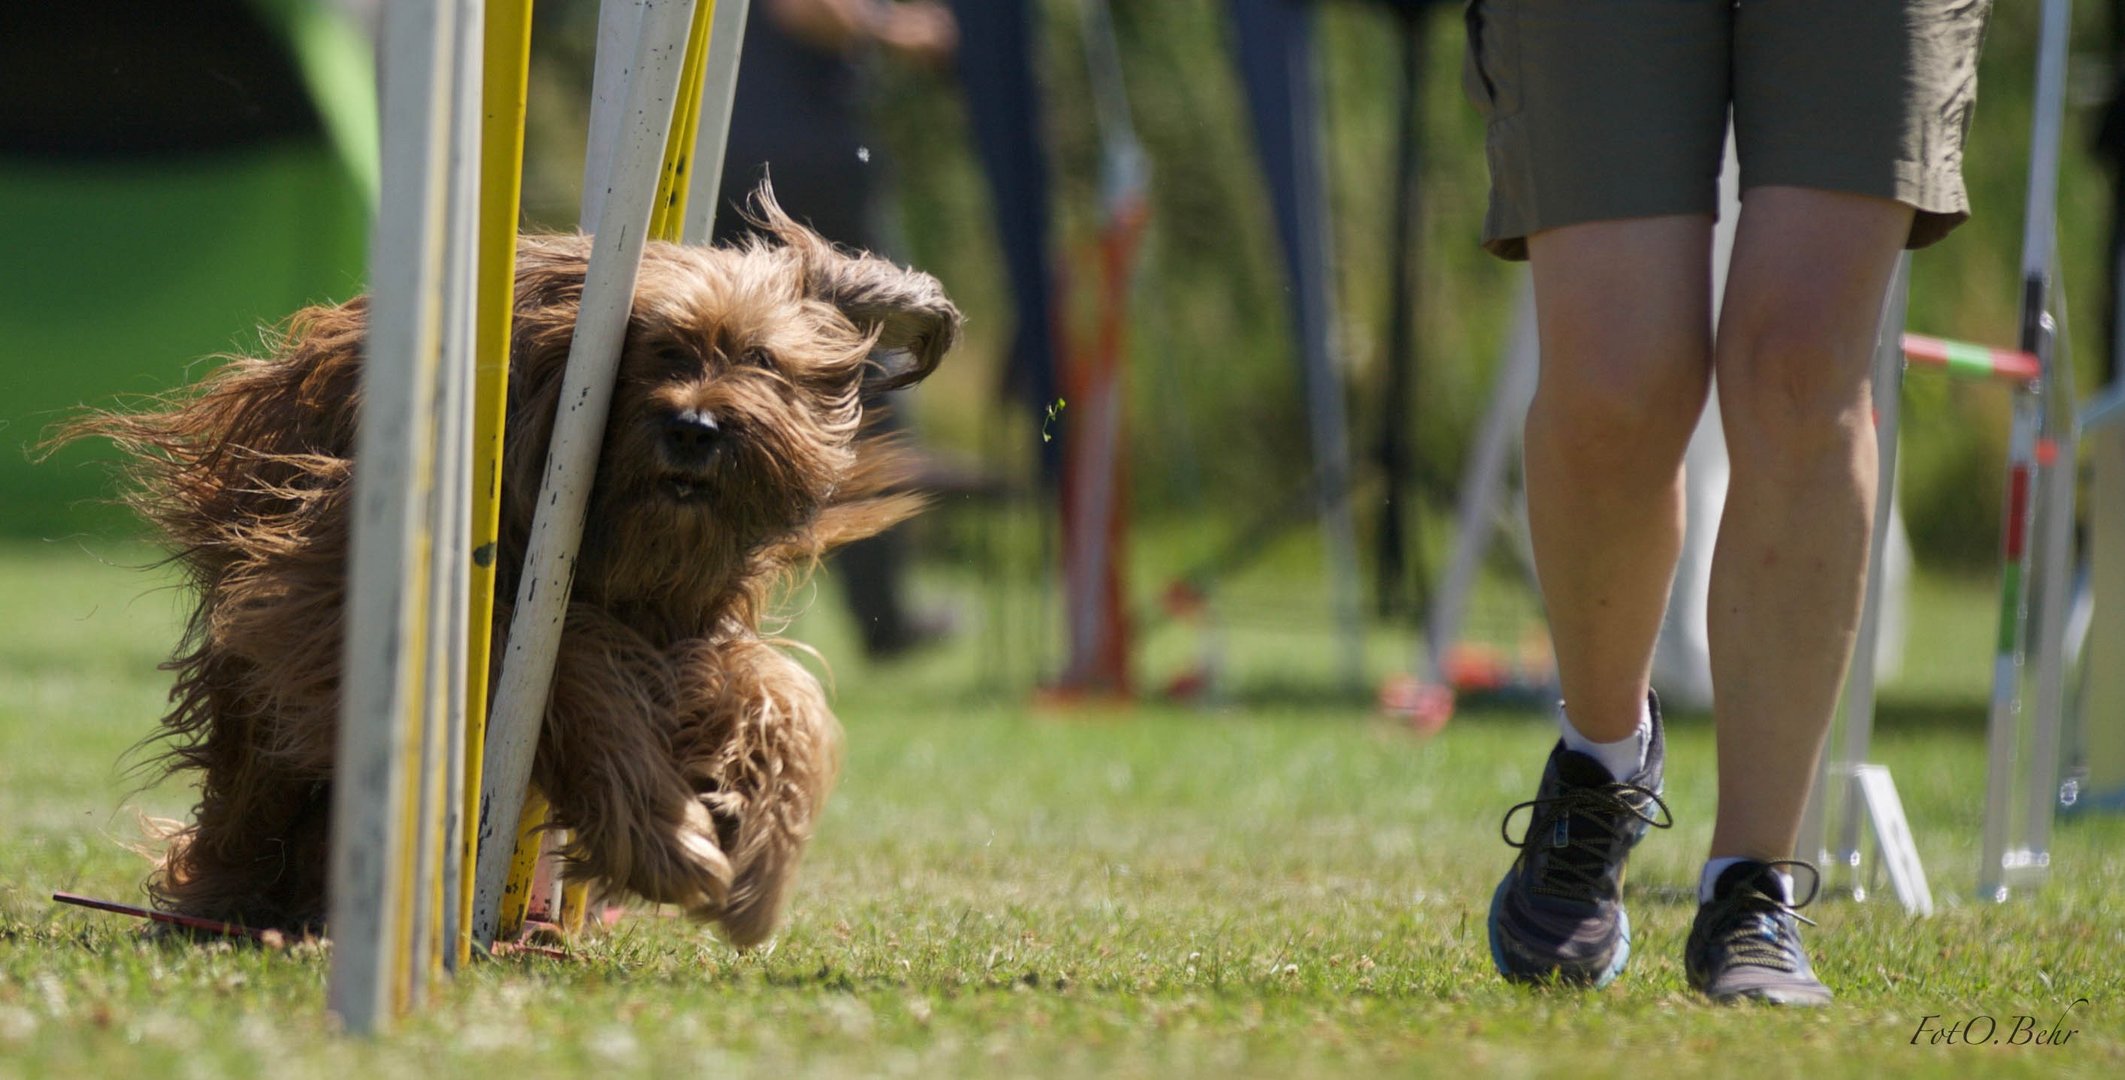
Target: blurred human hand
(920,31)
(923,31)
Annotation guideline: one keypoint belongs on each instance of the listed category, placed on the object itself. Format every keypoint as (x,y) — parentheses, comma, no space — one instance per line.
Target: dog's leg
(606,764)
(228,865)
(758,742)
(255,716)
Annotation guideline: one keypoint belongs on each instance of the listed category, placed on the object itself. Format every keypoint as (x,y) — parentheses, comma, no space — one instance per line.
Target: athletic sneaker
(1559,912)
(1746,941)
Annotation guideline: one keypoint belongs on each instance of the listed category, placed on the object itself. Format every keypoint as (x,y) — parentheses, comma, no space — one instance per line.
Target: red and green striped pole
(1966,360)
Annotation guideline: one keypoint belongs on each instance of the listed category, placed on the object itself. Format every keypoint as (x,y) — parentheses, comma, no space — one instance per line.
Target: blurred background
(174,177)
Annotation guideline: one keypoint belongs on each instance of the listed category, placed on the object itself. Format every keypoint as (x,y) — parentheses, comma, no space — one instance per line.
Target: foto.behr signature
(1982,1029)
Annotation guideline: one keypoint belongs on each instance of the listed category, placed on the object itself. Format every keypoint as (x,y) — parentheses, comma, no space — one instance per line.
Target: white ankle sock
(1715,867)
(1624,757)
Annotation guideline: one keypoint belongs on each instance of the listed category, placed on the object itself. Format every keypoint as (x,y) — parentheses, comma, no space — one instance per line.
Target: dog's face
(737,398)
(735,414)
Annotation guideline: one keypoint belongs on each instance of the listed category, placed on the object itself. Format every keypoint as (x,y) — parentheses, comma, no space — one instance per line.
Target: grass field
(1280,890)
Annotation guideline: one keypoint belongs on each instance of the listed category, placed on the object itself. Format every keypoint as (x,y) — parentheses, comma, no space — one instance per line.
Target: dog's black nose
(692,436)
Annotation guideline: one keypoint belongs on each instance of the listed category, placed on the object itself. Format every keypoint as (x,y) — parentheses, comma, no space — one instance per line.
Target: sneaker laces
(1578,868)
(1757,928)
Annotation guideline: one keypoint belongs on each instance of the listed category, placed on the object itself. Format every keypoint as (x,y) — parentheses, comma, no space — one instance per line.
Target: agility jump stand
(1095,475)
(2023,750)
(2027,709)
(2027,712)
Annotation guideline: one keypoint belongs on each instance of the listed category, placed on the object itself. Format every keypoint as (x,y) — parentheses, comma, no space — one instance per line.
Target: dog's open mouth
(684,488)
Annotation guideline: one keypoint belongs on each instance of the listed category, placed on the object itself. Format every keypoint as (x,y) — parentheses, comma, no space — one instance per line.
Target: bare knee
(1794,396)
(1612,413)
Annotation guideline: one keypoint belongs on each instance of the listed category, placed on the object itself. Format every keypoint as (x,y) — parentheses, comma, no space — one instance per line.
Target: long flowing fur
(688,754)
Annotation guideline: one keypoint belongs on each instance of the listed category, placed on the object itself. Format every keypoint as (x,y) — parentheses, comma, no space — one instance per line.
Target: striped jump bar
(1973,361)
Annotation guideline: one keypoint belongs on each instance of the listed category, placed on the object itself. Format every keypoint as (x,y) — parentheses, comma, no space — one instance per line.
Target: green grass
(1268,890)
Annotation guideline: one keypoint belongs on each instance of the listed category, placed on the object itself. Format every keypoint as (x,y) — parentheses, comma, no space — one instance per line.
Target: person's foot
(1745,943)
(1558,914)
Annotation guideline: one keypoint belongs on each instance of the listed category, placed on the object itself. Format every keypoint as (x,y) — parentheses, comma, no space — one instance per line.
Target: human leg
(1623,308)
(1850,120)
(1844,164)
(1796,341)
(1605,125)
(1625,325)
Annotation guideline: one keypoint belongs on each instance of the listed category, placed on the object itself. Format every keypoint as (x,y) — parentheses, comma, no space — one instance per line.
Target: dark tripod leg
(1396,551)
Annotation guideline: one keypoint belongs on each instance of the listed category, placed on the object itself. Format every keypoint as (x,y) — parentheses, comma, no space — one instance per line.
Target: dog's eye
(676,358)
(756,358)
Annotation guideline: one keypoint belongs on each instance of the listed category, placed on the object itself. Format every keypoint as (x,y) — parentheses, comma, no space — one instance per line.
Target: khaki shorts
(1604,109)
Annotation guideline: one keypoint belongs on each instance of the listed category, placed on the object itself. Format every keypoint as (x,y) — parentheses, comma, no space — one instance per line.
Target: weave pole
(668,209)
(571,462)
(531,886)
(718,93)
(506,61)
(529,890)
(381,740)
(712,45)
(677,178)
(440,882)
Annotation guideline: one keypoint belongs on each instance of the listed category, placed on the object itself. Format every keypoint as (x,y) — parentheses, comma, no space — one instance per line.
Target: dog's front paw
(763,858)
(690,868)
(698,841)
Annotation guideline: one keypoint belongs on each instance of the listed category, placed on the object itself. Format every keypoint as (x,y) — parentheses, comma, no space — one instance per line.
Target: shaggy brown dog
(688,754)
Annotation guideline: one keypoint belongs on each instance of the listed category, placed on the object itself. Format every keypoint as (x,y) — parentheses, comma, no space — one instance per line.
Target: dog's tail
(225,464)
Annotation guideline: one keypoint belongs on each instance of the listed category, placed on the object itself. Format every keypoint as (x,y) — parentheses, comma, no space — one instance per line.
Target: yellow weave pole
(667,216)
(575,907)
(523,867)
(507,56)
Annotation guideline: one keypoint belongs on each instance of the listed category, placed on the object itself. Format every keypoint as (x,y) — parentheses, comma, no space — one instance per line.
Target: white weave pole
(572,459)
(611,74)
(704,195)
(372,838)
(450,594)
(613,66)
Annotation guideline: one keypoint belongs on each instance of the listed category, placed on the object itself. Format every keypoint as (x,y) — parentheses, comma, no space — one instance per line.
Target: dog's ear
(915,322)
